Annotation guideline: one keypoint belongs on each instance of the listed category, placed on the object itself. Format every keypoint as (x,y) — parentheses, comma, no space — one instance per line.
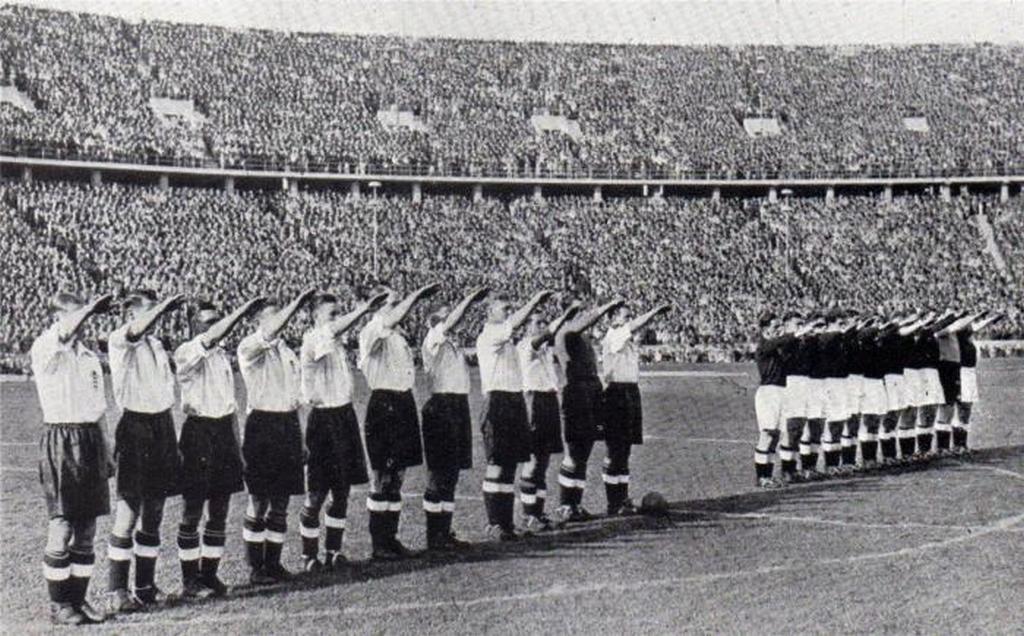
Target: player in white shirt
(334,447)
(541,382)
(74,461)
(622,410)
(505,428)
(211,468)
(392,424)
(447,426)
(272,443)
(145,448)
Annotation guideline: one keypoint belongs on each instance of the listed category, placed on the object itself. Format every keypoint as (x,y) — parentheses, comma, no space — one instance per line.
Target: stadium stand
(269,99)
(721,263)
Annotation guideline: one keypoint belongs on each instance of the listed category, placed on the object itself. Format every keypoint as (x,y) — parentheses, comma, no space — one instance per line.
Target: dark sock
(119,557)
(255,536)
(889,448)
(82,564)
(147,546)
(57,570)
(188,552)
(309,528)
(831,459)
(869,450)
(924,442)
(942,439)
(907,445)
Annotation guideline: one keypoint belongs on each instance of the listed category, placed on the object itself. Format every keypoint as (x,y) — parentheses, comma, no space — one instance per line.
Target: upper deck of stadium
(196,97)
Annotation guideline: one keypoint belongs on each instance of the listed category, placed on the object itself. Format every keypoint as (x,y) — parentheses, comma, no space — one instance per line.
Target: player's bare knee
(58,535)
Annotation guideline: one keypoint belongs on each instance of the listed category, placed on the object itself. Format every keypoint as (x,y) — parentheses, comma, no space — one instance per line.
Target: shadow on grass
(596,535)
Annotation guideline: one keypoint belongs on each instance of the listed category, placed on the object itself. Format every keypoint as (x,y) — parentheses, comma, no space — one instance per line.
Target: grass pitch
(930,551)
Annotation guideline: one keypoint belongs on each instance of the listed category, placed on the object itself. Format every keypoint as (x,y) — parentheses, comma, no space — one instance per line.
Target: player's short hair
(325,298)
(270,302)
(140,296)
(206,312)
(65,301)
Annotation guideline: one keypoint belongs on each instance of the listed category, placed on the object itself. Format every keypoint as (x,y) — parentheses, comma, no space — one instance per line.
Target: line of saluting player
(835,381)
(523,422)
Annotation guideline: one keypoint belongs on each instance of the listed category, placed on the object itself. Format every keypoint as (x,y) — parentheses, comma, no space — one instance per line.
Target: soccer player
(834,359)
(796,358)
(541,383)
(768,400)
(333,444)
(929,357)
(948,340)
(856,363)
(447,427)
(74,461)
(145,447)
(891,349)
(817,398)
(211,459)
(968,379)
(505,427)
(622,410)
(392,423)
(873,405)
(581,405)
(272,443)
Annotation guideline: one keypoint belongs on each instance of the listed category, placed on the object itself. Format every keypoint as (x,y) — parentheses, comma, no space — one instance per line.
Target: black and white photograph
(512,317)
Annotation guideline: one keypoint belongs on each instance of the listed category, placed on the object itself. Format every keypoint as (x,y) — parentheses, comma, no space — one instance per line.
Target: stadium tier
(155,92)
(720,263)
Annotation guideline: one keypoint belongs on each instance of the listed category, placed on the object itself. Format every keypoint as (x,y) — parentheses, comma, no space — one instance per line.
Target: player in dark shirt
(768,401)
(873,404)
(796,363)
(581,404)
(968,379)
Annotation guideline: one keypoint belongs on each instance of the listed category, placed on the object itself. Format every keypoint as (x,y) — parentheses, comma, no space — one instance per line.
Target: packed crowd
(720,263)
(311,101)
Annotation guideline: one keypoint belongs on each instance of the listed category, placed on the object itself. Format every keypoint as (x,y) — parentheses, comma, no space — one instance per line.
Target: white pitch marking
(830,522)
(15,469)
(699,440)
(560,591)
(1000,471)
(19,443)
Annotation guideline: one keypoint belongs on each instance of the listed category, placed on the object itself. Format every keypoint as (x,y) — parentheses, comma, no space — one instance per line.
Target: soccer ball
(654,503)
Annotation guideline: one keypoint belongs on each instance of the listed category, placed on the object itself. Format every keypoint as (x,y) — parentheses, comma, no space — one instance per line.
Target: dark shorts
(622,413)
(447,432)
(581,407)
(146,452)
(211,462)
(74,466)
(336,457)
(545,422)
(393,431)
(506,431)
(273,454)
(949,377)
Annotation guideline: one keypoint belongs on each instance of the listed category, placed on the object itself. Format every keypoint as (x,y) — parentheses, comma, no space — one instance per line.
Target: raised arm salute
(447,426)
(211,469)
(69,381)
(505,427)
(335,449)
(541,383)
(146,448)
(392,424)
(272,445)
(622,412)
(581,399)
